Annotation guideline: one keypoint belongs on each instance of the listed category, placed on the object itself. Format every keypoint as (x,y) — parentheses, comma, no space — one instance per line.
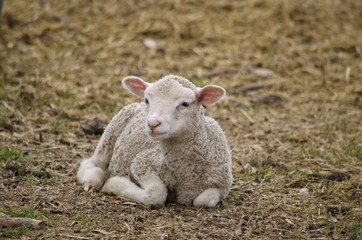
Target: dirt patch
(292,116)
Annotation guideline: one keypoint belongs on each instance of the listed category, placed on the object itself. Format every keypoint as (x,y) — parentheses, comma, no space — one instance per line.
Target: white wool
(167,145)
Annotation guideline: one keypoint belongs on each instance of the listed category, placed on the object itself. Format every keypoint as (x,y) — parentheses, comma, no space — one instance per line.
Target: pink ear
(211,94)
(135,85)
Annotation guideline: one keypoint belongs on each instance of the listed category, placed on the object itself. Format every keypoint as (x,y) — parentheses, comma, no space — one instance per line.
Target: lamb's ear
(210,94)
(135,85)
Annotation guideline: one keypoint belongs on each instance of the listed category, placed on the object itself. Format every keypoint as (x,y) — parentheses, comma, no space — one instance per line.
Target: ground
(292,115)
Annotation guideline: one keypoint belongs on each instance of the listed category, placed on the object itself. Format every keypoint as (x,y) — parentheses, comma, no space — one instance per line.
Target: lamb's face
(171,109)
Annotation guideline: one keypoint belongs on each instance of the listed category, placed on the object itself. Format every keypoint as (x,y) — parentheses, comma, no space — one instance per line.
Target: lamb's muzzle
(157,127)
(153,129)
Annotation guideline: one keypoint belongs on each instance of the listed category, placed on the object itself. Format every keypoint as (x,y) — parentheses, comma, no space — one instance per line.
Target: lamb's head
(173,104)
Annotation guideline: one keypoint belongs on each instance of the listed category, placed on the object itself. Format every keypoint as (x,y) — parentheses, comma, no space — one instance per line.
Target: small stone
(150,43)
(304,191)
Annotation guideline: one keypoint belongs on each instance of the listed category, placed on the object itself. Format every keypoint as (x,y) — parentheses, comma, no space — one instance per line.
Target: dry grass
(293,73)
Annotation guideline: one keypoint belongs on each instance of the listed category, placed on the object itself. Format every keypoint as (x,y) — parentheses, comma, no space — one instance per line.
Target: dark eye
(185,104)
(146,100)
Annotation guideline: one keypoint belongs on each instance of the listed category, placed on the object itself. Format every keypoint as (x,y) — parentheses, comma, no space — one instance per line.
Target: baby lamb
(163,148)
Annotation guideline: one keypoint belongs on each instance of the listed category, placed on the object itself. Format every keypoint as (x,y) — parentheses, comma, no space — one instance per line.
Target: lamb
(163,149)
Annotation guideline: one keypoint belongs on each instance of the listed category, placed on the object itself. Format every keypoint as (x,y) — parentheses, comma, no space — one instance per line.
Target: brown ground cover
(293,73)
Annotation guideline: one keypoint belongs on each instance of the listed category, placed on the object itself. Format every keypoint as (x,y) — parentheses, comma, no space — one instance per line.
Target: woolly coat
(187,164)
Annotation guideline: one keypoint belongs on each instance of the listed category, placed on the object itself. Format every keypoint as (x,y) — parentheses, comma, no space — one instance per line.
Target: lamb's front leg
(208,198)
(89,175)
(92,171)
(152,191)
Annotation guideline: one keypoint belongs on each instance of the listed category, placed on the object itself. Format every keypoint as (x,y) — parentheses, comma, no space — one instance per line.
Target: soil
(292,116)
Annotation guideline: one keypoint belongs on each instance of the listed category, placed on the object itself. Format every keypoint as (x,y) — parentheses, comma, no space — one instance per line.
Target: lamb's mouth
(157,135)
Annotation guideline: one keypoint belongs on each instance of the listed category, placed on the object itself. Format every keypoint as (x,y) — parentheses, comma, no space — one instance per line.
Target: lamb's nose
(154,124)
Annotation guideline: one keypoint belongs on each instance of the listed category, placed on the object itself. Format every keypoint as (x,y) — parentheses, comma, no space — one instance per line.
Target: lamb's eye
(146,100)
(185,104)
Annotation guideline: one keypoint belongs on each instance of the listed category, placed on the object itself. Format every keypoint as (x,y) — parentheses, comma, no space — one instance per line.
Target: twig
(221,71)
(247,116)
(238,227)
(77,237)
(19,221)
(6,136)
(251,88)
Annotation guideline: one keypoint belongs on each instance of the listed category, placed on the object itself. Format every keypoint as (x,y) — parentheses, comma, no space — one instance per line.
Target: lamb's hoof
(205,202)
(155,195)
(208,198)
(88,187)
(92,179)
(104,189)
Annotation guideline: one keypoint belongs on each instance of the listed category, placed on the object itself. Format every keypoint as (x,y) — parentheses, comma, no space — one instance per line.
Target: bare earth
(293,73)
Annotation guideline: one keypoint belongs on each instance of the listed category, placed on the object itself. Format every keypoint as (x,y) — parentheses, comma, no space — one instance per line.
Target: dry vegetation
(293,73)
